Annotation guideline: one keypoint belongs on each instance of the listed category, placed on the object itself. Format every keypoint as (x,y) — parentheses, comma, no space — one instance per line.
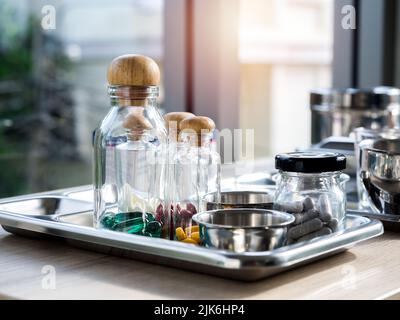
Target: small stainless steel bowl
(240,199)
(243,230)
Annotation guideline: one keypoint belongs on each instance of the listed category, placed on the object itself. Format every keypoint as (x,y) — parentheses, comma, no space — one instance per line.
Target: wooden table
(368,271)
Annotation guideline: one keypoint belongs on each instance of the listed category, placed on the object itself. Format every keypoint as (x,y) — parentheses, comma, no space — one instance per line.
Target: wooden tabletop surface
(368,271)
(44,269)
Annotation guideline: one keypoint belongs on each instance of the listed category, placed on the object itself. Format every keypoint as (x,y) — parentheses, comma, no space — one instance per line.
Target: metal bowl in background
(338,111)
(380,174)
(243,230)
(343,145)
(383,159)
(240,199)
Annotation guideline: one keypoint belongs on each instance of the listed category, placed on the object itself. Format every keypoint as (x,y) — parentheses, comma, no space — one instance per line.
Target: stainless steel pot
(380,174)
(337,112)
(243,230)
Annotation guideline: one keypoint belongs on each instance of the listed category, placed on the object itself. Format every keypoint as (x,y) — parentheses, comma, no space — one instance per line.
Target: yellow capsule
(180,234)
(195,236)
(189,240)
(191,229)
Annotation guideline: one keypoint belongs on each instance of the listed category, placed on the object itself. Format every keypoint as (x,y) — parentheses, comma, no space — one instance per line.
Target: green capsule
(146,234)
(126,216)
(149,217)
(126,220)
(154,228)
(107,220)
(134,229)
(126,225)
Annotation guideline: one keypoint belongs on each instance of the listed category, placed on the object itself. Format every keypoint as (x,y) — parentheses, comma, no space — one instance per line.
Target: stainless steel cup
(240,199)
(243,230)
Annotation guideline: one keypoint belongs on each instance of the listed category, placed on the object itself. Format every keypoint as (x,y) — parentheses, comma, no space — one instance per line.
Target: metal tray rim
(282,256)
(243,266)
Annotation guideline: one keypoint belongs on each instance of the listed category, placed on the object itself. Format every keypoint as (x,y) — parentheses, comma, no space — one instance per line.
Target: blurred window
(285,50)
(53,83)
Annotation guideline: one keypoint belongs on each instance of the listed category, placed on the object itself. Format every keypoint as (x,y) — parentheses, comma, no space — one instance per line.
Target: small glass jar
(311,188)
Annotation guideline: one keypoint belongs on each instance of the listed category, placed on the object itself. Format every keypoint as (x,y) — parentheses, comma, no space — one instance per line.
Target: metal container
(380,174)
(240,199)
(360,135)
(337,112)
(343,145)
(243,230)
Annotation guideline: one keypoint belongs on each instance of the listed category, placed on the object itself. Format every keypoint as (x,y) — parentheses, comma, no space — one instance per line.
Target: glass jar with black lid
(310,187)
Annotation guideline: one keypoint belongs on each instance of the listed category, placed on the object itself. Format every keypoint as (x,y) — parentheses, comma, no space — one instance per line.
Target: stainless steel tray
(67,214)
(390,222)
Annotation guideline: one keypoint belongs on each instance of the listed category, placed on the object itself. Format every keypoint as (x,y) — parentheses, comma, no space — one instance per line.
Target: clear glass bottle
(311,188)
(196,172)
(129,171)
(173,120)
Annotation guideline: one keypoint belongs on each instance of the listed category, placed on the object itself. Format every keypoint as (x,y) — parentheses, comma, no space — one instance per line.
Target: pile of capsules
(185,230)
(189,235)
(133,223)
(312,219)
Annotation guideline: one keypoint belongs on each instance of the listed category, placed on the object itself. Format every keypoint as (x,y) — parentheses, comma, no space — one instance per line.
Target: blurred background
(246,63)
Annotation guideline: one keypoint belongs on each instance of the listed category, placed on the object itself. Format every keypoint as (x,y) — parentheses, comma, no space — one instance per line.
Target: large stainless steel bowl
(380,174)
(240,199)
(243,230)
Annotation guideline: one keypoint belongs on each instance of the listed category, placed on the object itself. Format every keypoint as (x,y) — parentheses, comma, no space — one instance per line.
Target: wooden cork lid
(195,128)
(136,123)
(173,120)
(177,116)
(198,124)
(133,70)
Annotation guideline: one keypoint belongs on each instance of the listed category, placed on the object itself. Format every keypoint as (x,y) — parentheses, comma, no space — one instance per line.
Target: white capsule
(305,228)
(292,207)
(333,224)
(325,217)
(303,217)
(308,204)
(325,208)
(322,232)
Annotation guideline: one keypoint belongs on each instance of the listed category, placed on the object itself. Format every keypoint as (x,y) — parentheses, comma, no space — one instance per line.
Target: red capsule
(186,214)
(160,208)
(191,208)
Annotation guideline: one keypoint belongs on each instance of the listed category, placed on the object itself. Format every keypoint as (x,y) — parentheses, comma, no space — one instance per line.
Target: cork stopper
(173,120)
(197,125)
(133,70)
(136,123)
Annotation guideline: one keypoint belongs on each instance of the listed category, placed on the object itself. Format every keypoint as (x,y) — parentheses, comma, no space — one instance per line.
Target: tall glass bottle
(197,172)
(130,145)
(173,120)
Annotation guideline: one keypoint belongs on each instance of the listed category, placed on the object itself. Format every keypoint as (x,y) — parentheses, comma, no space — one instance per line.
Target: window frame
(367,56)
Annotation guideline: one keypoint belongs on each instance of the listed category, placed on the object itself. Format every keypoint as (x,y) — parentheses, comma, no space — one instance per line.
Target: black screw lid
(310,162)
